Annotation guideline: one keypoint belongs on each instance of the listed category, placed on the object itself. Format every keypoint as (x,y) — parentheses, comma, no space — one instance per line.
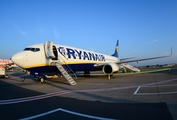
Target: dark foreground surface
(148,96)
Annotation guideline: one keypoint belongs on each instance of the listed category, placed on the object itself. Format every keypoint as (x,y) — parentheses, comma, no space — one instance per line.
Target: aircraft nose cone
(18,59)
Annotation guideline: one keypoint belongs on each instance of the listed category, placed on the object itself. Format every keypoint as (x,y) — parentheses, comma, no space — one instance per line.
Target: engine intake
(110,68)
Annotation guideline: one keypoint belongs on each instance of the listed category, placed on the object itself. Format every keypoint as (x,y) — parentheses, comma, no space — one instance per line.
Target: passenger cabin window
(32,49)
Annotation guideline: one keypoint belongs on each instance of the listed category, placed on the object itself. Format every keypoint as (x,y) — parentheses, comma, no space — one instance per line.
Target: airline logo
(117,48)
(78,54)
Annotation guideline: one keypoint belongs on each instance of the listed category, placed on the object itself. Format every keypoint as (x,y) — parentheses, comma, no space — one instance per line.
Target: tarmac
(134,96)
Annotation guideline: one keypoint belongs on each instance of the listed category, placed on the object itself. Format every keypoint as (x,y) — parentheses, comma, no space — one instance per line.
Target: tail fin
(116,50)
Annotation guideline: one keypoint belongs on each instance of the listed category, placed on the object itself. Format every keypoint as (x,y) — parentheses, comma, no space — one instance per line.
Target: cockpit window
(32,49)
(37,49)
(27,49)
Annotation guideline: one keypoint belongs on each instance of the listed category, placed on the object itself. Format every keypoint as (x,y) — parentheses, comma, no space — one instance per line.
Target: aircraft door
(48,46)
(55,52)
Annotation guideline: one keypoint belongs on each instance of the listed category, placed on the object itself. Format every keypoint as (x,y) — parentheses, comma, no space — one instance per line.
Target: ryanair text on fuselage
(82,55)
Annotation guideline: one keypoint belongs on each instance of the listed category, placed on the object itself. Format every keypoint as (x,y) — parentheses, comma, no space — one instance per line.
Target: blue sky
(145,28)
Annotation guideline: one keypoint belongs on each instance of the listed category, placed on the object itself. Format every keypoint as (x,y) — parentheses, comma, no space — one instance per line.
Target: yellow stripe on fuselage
(63,63)
(36,65)
(75,62)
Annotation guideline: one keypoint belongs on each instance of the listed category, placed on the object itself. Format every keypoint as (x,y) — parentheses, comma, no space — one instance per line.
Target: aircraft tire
(41,79)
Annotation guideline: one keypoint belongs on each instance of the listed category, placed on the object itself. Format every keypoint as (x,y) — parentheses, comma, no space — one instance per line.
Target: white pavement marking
(162,85)
(26,99)
(66,111)
(161,93)
(136,90)
(19,100)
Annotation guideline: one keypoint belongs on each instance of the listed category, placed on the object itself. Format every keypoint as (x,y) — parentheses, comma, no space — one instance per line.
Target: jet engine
(110,68)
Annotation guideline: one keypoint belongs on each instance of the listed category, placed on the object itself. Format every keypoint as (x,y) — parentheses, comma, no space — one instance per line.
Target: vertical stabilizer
(116,50)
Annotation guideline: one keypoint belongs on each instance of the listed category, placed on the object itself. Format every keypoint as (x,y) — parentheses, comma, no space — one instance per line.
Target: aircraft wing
(151,58)
(143,59)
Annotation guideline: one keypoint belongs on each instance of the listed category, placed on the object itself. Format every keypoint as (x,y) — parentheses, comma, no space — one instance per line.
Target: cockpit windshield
(32,49)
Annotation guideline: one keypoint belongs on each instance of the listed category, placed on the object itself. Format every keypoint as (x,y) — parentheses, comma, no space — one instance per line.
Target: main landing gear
(109,76)
(86,73)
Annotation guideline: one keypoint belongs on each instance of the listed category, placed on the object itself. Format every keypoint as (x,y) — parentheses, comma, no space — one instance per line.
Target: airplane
(48,58)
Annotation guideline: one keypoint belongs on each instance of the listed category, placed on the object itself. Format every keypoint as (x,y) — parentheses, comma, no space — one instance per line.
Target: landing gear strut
(86,73)
(109,76)
(124,70)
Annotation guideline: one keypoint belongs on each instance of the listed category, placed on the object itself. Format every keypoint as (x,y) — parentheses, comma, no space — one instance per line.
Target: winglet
(116,50)
(171,51)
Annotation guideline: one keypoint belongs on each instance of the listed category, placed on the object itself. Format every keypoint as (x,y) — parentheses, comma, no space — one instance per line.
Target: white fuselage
(34,58)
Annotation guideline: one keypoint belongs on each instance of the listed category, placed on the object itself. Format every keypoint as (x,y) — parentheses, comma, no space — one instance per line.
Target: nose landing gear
(41,79)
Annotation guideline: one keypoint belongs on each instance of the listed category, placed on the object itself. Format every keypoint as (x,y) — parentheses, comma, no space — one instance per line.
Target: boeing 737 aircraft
(43,59)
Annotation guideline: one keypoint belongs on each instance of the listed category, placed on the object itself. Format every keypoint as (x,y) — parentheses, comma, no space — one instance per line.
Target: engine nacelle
(110,68)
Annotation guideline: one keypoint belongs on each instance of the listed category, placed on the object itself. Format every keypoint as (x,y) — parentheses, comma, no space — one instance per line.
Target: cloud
(56,33)
(92,49)
(21,31)
(153,41)
(133,51)
(42,30)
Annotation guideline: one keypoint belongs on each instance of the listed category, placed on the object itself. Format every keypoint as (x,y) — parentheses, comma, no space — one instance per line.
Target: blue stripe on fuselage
(52,69)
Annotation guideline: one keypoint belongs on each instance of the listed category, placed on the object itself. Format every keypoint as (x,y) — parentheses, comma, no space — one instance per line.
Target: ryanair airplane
(47,59)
